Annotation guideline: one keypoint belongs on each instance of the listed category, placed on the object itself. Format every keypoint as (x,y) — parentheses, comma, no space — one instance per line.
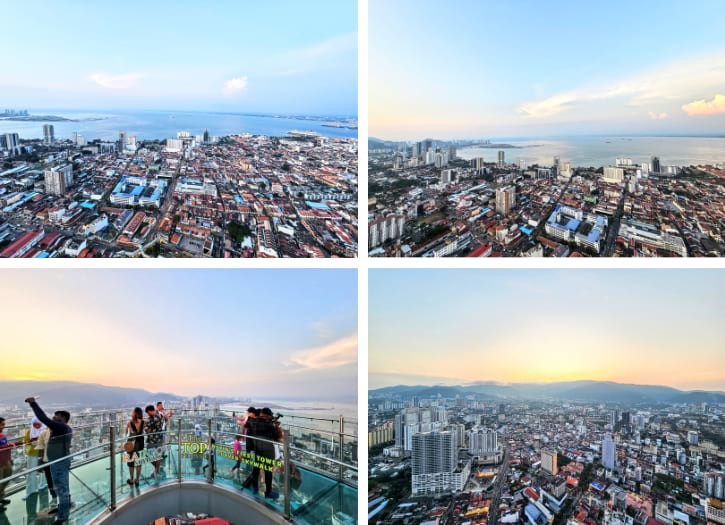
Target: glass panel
(316,494)
(88,481)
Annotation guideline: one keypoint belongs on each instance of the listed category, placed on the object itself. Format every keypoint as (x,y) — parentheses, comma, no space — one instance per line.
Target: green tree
(238,231)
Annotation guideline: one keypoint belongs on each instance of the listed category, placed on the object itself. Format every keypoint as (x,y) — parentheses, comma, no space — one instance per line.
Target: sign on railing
(193,446)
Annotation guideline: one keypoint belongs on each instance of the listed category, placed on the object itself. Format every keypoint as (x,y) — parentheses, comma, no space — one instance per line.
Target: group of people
(145,437)
(261,423)
(46,441)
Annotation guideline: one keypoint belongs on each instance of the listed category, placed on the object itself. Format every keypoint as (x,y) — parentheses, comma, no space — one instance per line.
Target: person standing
(248,428)
(154,438)
(134,435)
(59,448)
(6,463)
(264,450)
(165,415)
(42,447)
(32,455)
(237,455)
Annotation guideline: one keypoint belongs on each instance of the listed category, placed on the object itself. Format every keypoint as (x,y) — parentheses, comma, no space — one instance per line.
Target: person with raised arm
(58,448)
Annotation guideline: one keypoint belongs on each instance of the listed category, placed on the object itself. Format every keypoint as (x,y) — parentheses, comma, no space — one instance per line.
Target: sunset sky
(448,326)
(526,68)
(258,333)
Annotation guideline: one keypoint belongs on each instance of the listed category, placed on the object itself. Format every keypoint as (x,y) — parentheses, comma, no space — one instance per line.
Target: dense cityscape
(426,201)
(187,196)
(436,457)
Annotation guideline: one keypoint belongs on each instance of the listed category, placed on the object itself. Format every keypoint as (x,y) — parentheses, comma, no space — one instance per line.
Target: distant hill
(374,143)
(591,391)
(72,393)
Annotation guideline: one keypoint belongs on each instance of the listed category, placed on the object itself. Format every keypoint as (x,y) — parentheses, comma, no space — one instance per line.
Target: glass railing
(310,483)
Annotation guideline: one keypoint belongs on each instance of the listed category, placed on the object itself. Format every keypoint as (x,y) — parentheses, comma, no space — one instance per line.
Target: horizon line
(509,383)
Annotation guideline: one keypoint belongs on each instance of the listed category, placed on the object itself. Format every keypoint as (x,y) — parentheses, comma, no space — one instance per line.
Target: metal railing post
(210,452)
(112,458)
(287,459)
(342,453)
(178,454)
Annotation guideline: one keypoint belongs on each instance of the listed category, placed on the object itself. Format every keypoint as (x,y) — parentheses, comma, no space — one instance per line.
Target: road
(613,227)
(500,482)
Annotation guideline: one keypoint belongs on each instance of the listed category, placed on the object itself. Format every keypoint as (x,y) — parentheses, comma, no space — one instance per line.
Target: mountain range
(71,393)
(591,391)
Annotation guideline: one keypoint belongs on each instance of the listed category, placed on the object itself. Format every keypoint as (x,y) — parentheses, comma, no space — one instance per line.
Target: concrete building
(609,453)
(48,133)
(613,174)
(434,464)
(505,199)
(482,442)
(548,462)
(58,179)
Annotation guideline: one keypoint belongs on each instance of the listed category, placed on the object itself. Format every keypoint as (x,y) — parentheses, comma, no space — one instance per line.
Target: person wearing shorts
(134,434)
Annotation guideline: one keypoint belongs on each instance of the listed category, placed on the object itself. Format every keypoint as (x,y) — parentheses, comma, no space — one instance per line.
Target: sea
(159,125)
(599,151)
(324,414)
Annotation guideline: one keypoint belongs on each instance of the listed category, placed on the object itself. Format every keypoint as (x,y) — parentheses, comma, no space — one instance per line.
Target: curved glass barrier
(314,486)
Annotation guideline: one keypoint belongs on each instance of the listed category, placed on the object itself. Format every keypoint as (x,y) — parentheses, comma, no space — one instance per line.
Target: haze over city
(225,56)
(513,69)
(656,327)
(284,334)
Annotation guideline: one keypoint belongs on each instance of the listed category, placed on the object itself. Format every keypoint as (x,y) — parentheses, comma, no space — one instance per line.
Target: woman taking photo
(134,445)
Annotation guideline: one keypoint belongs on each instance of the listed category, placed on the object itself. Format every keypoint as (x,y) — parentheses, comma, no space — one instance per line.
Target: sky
(223,55)
(650,327)
(526,68)
(250,333)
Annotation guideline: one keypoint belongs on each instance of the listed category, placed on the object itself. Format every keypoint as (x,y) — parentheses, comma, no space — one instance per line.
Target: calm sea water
(602,151)
(294,411)
(150,125)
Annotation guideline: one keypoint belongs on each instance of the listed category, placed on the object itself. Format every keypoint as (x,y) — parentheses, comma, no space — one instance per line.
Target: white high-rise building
(48,133)
(58,179)
(613,174)
(505,199)
(549,462)
(609,453)
(174,145)
(434,462)
(482,442)
(715,485)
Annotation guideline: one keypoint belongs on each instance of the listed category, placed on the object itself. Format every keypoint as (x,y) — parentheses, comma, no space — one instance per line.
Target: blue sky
(630,326)
(473,68)
(283,333)
(282,56)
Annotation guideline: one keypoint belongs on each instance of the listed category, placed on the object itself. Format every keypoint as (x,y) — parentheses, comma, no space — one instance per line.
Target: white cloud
(337,353)
(658,116)
(677,81)
(236,85)
(699,108)
(125,81)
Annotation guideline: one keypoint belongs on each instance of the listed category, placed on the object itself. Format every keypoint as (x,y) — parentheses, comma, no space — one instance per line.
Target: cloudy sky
(630,326)
(282,56)
(527,68)
(254,333)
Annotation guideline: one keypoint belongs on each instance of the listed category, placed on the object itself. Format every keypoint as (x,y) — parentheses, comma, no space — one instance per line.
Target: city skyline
(525,69)
(455,326)
(208,332)
(281,58)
